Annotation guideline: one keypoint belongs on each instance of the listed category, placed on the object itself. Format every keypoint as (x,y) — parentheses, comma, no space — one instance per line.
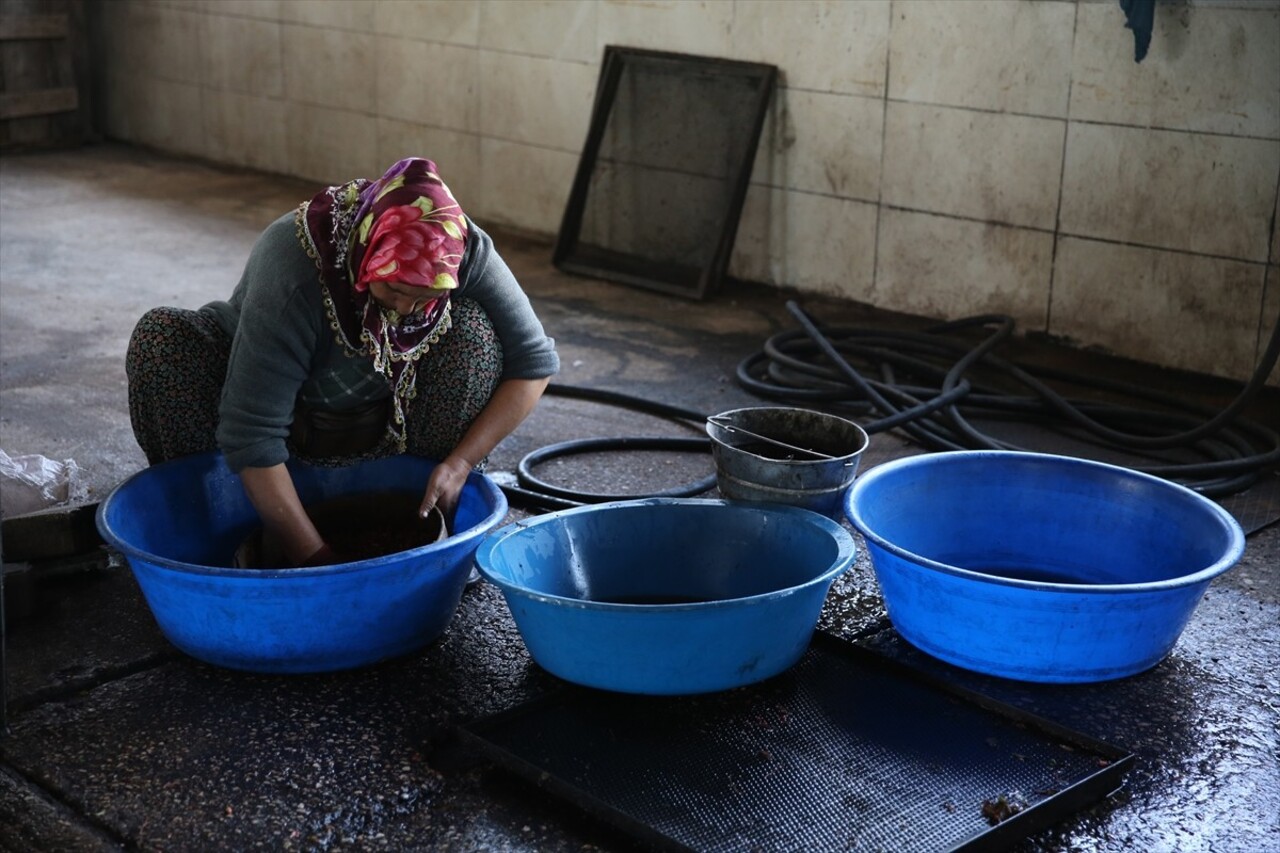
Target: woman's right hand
(272,493)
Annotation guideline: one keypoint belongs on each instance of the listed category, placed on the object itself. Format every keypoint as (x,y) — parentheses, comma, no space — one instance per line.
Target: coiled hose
(1215,453)
(536,492)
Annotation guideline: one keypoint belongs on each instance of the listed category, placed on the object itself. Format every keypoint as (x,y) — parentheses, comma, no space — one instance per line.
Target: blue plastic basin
(1039,567)
(180,522)
(667,595)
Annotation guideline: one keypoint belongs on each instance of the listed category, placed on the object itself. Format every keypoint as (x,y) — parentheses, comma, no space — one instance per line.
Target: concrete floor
(116,740)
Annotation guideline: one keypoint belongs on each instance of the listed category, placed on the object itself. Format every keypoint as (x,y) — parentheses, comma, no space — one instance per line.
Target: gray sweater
(283,349)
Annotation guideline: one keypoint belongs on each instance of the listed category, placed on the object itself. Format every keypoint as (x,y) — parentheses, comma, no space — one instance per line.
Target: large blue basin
(179,524)
(1038,567)
(667,595)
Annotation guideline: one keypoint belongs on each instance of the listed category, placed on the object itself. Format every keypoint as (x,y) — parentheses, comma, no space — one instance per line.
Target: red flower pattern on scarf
(406,249)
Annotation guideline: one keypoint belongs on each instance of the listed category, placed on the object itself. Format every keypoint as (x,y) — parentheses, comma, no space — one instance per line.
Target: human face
(404,299)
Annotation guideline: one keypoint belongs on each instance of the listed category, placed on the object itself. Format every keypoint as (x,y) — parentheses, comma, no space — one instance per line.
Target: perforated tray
(846,751)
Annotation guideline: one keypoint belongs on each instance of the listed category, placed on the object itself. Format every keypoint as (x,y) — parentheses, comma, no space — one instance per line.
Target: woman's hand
(511,403)
(444,486)
(272,493)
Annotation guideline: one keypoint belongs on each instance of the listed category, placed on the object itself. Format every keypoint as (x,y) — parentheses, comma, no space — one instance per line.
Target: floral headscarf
(405,227)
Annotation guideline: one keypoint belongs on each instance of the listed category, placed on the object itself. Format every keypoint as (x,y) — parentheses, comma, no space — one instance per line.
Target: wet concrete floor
(116,740)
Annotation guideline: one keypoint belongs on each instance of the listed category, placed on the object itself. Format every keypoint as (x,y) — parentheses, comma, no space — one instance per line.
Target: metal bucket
(775,454)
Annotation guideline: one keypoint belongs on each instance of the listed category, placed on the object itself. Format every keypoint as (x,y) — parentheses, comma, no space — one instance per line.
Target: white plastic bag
(31,483)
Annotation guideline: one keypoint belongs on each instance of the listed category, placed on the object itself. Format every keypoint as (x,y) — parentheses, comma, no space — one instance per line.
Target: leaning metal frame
(697,283)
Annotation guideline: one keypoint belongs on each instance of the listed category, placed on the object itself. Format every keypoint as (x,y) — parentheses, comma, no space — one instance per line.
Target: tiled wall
(941,158)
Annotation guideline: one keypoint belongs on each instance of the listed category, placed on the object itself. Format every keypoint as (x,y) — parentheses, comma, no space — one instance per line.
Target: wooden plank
(38,103)
(14,27)
(36,111)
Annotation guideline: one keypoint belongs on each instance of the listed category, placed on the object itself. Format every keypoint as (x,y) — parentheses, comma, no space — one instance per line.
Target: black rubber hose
(526,477)
(626,401)
(812,366)
(536,492)
(939,416)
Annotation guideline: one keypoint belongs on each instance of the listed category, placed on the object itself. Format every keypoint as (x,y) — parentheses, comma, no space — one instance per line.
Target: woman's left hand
(513,400)
(444,486)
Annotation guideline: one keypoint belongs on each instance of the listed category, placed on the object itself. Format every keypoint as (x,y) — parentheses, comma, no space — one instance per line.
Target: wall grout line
(884,138)
(1062,180)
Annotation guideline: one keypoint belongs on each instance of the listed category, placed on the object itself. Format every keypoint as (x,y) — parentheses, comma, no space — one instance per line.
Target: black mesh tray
(846,751)
(664,169)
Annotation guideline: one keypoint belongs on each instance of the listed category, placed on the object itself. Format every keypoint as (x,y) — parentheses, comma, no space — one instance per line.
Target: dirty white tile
(1169,308)
(1186,191)
(449,100)
(946,268)
(457,155)
(120,93)
(698,27)
(992,55)
(119,39)
(169,116)
(154,40)
(330,145)
(823,45)
(827,144)
(177,56)
(830,245)
(445,21)
(1209,69)
(266,10)
(330,67)
(556,29)
(980,165)
(808,242)
(536,101)
(356,16)
(242,55)
(524,186)
(758,245)
(246,130)
(770,164)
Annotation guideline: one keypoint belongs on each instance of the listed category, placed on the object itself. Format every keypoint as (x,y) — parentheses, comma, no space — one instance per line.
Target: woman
(375,319)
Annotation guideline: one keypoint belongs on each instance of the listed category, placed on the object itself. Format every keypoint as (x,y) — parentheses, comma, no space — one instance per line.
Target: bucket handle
(716,421)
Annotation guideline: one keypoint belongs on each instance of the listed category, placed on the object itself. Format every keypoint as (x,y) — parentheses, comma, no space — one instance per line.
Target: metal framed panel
(664,170)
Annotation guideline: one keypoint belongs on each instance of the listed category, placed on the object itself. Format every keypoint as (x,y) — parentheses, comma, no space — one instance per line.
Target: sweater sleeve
(527,351)
(281,318)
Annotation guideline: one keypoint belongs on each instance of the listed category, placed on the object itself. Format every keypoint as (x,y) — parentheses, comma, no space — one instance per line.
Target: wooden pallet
(43,71)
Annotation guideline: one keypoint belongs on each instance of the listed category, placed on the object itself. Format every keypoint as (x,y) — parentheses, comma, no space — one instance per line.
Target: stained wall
(938,158)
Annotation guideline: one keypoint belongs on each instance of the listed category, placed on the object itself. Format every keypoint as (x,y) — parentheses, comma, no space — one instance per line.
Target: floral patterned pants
(176,365)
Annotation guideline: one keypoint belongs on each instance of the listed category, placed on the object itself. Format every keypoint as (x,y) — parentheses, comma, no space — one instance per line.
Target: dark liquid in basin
(373,525)
(358,527)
